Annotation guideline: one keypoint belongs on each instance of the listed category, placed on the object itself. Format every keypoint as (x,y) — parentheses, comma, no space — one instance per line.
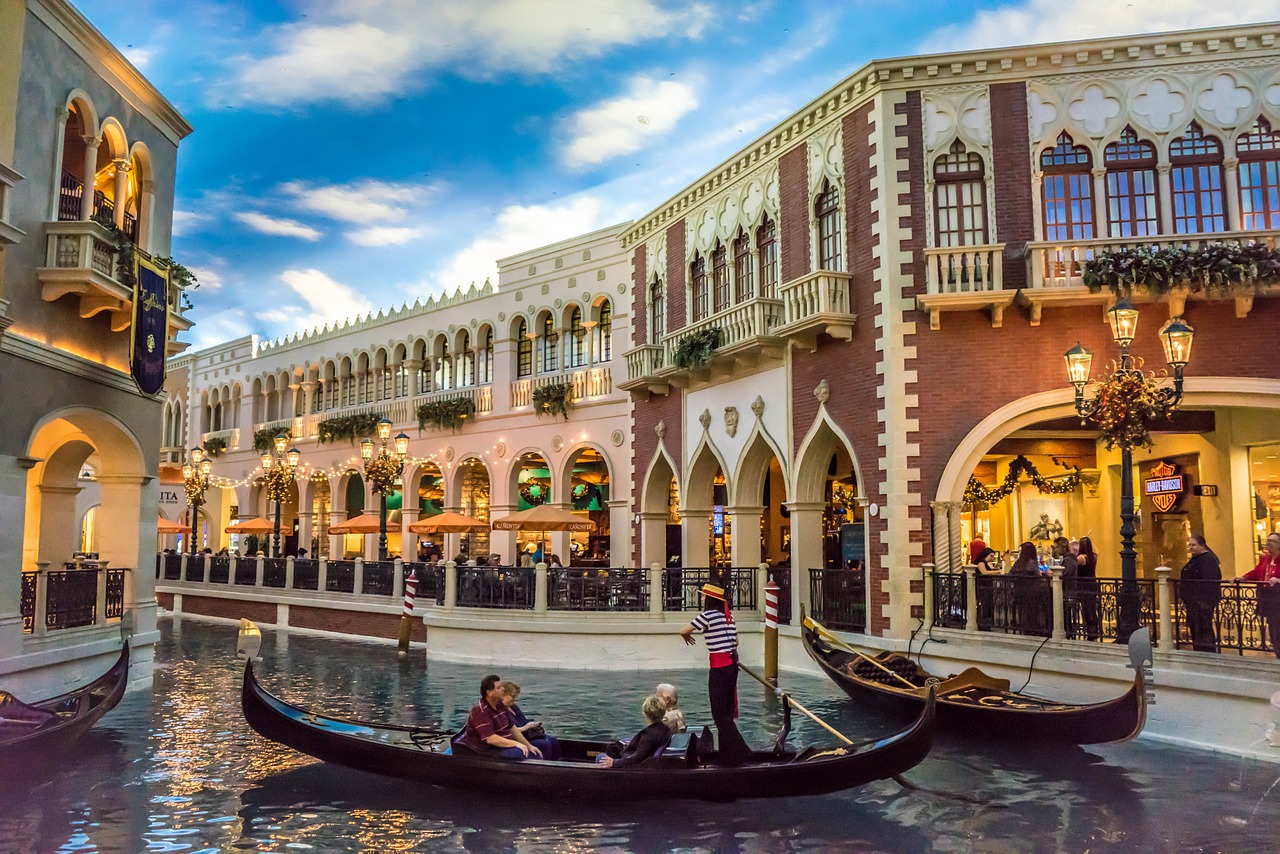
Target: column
(13,498)
(695,534)
(504,372)
(293,401)
(562,345)
(1058,600)
(929,608)
(121,189)
(971,598)
(146,210)
(653,538)
(304,524)
(745,525)
(336,517)
(620,532)
(309,396)
(589,326)
(503,542)
(411,368)
(91,144)
(1100,202)
(806,553)
(1164,607)
(58,530)
(128,540)
(1165,182)
(1231,186)
(408,539)
(941,534)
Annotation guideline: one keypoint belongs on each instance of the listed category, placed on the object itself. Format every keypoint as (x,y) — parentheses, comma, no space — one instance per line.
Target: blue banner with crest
(150,328)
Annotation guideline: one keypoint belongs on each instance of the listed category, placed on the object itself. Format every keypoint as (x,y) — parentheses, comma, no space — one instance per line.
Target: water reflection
(179,770)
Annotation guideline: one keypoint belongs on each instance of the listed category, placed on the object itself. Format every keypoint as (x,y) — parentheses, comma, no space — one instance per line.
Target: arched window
(1132,206)
(524,350)
(1066,191)
(1199,203)
(657,312)
(767,249)
(604,333)
(467,370)
(959,198)
(720,278)
(827,213)
(486,358)
(577,339)
(744,285)
(549,341)
(698,284)
(1259,153)
(444,368)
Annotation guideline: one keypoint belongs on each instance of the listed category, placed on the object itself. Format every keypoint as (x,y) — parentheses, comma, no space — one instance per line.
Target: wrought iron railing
(379,578)
(172,567)
(430,579)
(115,593)
(578,588)
(69,197)
(950,601)
(680,586)
(159,565)
(495,587)
(247,571)
(220,569)
(341,576)
(27,604)
(838,598)
(274,571)
(72,598)
(782,575)
(1092,607)
(1223,616)
(306,574)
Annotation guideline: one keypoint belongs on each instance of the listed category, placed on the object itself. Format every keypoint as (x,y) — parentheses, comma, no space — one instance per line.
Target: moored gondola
(429,756)
(976,704)
(34,730)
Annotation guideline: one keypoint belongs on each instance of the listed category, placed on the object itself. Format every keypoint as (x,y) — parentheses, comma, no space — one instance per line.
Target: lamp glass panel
(197,454)
(1079,364)
(1124,323)
(384,429)
(186,471)
(281,441)
(206,466)
(402,444)
(366,449)
(266,462)
(1177,336)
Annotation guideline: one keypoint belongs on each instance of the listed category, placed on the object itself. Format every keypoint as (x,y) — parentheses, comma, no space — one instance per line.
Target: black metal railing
(72,598)
(274,571)
(379,578)
(115,593)
(578,588)
(1092,607)
(430,580)
(782,575)
(247,571)
(306,574)
(680,586)
(220,569)
(27,603)
(172,567)
(495,587)
(838,598)
(340,576)
(69,197)
(950,600)
(1212,616)
(159,565)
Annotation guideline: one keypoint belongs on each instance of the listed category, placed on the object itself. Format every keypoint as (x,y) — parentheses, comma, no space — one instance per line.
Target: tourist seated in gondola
(647,743)
(489,730)
(534,731)
(672,716)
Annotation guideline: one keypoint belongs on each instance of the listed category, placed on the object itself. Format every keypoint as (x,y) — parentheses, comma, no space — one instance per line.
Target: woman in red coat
(1267,574)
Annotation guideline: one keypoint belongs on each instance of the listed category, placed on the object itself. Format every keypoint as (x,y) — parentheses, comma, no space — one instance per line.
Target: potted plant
(697,348)
(215,446)
(553,399)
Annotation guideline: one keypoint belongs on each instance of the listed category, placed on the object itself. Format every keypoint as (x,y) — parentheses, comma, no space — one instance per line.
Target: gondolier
(716,622)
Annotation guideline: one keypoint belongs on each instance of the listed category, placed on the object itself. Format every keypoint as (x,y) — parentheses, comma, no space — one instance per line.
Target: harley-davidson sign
(1164,487)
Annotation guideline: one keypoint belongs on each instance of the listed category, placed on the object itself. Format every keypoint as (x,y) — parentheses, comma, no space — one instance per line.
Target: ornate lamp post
(383,469)
(279,472)
(1125,405)
(195,479)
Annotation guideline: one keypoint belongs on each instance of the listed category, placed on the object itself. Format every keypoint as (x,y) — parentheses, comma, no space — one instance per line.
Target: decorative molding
(731,421)
(500,450)
(822,392)
(660,429)
(617,437)
(705,419)
(757,406)
(42,354)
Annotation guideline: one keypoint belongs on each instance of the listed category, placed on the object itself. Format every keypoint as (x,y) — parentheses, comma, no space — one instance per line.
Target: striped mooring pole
(406,616)
(771,631)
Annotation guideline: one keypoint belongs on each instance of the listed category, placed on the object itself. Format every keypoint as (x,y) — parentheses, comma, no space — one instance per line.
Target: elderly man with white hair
(673,717)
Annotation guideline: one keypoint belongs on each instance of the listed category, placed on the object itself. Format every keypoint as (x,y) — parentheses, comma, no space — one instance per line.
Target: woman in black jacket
(648,742)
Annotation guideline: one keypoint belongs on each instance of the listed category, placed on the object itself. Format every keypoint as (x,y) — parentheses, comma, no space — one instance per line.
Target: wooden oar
(841,645)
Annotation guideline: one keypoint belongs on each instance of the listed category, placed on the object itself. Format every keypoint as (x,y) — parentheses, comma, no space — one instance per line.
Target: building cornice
(42,354)
(102,56)
(991,65)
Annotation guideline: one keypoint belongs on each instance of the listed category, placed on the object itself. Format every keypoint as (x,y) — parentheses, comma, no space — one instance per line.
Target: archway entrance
(588,490)
(474,496)
(532,488)
(661,539)
(321,503)
(430,503)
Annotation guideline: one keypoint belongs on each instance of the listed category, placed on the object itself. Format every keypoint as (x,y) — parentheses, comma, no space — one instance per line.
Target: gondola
(976,704)
(32,730)
(431,756)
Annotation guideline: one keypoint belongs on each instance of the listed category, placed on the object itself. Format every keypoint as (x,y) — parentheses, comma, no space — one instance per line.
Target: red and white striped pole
(406,616)
(771,631)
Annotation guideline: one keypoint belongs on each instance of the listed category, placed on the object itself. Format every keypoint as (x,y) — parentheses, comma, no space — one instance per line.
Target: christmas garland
(1127,403)
(553,399)
(1217,269)
(215,446)
(383,472)
(265,439)
(193,486)
(981,497)
(278,480)
(543,487)
(697,348)
(447,414)
(349,427)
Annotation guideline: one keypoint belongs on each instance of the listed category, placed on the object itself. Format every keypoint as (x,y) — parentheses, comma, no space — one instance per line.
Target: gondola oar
(841,645)
(897,778)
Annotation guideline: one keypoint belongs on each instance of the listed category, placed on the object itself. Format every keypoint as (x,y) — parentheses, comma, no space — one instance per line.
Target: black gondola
(429,756)
(976,704)
(31,730)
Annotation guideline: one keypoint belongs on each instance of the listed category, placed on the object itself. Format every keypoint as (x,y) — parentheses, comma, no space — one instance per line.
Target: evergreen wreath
(349,427)
(979,497)
(553,399)
(1128,401)
(697,348)
(447,414)
(265,439)
(383,472)
(215,446)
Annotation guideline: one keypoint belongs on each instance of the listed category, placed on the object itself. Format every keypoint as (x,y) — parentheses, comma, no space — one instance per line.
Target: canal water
(177,769)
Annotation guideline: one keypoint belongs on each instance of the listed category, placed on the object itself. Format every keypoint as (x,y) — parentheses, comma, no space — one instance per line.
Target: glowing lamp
(1176,337)
(366,449)
(206,466)
(266,462)
(1079,362)
(292,456)
(186,471)
(1124,323)
(197,454)
(281,441)
(402,444)
(384,429)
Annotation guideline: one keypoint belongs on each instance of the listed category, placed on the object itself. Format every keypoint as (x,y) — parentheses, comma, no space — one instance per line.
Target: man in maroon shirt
(489,728)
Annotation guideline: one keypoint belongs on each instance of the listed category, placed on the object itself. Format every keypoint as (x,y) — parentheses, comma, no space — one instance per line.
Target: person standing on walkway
(1267,576)
(716,623)
(1201,591)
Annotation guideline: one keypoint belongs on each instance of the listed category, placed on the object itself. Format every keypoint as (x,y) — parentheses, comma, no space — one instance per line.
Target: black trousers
(722,688)
(1204,635)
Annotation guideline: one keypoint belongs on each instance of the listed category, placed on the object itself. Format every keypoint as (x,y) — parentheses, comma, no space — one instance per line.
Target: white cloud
(210,279)
(358,50)
(520,228)
(363,202)
(625,124)
(277,226)
(140,57)
(326,299)
(188,222)
(1051,20)
(385,235)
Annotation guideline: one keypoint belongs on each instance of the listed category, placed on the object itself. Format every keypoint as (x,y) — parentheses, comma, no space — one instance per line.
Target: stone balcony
(230,437)
(817,304)
(82,260)
(965,278)
(9,233)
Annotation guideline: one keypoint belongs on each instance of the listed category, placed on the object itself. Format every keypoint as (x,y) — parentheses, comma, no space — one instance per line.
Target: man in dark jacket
(1201,590)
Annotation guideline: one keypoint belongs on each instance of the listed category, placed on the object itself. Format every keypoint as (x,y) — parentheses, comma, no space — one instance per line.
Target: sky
(351,155)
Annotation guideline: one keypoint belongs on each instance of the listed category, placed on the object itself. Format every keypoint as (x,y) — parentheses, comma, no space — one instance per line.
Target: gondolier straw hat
(713,590)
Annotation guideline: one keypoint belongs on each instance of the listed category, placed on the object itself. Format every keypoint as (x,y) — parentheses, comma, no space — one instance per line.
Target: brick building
(886,283)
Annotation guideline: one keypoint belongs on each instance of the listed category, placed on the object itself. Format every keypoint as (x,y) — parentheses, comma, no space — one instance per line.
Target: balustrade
(69,598)
(341,576)
(838,598)
(964,269)
(584,589)
(379,578)
(495,587)
(681,585)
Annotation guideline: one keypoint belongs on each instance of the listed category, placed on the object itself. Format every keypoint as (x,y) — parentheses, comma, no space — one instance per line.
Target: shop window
(604,333)
(698,284)
(1132,207)
(1199,203)
(524,350)
(1066,191)
(1259,153)
(959,198)
(744,286)
(657,312)
(767,249)
(827,213)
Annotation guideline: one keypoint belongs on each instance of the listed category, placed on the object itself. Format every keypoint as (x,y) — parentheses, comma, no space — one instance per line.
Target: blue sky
(357,154)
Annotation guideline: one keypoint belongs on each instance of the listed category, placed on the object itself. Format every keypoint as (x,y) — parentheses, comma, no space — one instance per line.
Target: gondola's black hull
(1111,721)
(89,703)
(315,735)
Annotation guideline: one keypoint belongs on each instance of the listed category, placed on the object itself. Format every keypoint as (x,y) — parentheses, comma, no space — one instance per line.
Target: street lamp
(1124,407)
(383,469)
(195,479)
(279,471)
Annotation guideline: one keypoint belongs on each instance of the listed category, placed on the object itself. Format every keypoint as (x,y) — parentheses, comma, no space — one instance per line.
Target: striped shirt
(722,634)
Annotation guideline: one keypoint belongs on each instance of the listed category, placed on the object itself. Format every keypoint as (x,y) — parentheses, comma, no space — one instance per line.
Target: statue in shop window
(1046,529)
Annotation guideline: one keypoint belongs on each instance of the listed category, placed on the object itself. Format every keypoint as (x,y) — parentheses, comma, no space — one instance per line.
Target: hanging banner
(150,328)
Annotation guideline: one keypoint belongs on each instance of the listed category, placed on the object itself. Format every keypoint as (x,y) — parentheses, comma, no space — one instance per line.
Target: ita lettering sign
(1164,486)
(150,328)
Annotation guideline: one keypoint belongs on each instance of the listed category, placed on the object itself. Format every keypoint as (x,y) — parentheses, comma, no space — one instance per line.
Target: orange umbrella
(448,523)
(543,518)
(365,523)
(167,527)
(255,525)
